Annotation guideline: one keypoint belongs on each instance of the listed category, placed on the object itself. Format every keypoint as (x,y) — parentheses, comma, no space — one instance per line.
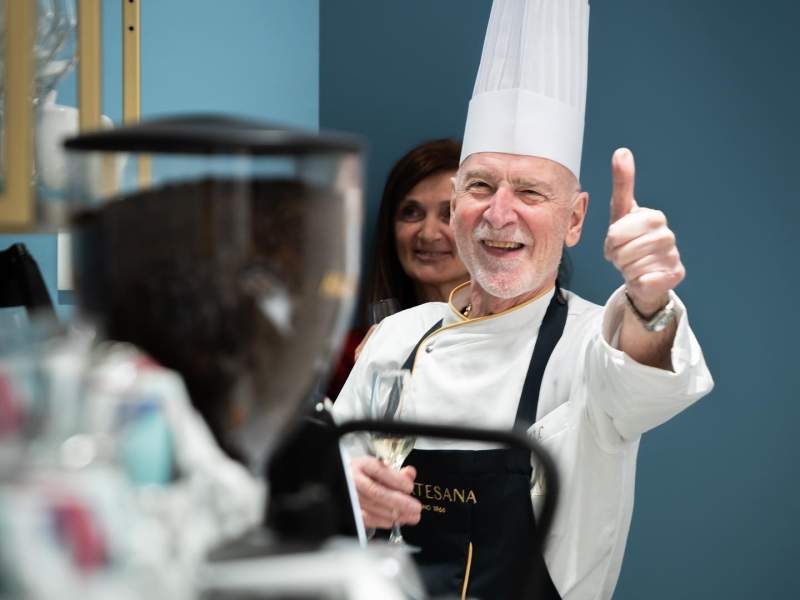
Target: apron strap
(409,364)
(549,333)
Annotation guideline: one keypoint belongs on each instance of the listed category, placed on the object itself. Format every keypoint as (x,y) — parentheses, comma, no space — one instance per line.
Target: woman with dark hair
(415,254)
(415,258)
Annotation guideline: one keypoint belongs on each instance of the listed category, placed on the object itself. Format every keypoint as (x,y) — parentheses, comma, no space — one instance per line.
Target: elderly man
(511,347)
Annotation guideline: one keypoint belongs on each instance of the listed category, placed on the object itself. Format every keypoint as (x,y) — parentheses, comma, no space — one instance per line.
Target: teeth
(504,245)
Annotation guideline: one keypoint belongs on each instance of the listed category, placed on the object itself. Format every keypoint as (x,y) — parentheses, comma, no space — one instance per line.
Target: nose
(431,229)
(500,211)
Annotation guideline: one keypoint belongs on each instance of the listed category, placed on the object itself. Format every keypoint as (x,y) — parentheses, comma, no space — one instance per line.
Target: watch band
(658,321)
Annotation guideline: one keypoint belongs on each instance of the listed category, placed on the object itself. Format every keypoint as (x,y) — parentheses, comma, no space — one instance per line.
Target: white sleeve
(353,399)
(626,398)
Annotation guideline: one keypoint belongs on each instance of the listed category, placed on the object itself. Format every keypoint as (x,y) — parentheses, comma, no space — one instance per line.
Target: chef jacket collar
(523,315)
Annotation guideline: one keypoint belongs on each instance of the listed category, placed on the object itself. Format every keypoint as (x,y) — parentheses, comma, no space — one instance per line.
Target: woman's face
(423,236)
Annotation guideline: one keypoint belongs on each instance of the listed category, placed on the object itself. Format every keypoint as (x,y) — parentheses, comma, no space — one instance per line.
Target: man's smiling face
(512,216)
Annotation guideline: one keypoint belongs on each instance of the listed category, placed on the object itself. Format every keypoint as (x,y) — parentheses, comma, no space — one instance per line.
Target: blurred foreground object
(338,571)
(21,285)
(234,262)
(110,483)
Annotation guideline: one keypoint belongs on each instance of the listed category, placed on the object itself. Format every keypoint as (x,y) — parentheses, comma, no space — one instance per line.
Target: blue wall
(250,57)
(705,94)
(398,73)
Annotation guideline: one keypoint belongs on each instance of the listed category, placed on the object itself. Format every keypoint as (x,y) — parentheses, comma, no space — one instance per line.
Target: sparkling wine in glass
(392,401)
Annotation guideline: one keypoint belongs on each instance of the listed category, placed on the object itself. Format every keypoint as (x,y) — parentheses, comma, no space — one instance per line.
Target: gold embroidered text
(429,491)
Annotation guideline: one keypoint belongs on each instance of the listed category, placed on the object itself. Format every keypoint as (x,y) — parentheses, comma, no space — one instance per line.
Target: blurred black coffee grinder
(229,251)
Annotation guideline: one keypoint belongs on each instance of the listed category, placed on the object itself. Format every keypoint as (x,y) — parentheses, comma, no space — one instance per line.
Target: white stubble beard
(501,278)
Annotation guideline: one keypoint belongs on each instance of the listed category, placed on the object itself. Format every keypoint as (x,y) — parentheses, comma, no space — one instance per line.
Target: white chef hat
(530,92)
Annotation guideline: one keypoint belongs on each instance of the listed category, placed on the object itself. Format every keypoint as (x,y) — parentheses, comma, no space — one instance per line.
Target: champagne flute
(392,401)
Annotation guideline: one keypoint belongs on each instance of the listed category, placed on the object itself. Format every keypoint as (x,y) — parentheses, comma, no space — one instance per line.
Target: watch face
(660,322)
(662,318)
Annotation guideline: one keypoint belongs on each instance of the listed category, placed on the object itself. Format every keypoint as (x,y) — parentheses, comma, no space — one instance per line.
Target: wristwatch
(658,321)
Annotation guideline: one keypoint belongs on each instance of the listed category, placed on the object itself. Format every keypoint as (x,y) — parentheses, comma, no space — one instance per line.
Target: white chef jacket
(594,404)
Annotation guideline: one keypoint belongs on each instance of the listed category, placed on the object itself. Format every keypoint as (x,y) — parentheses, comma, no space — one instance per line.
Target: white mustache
(484,231)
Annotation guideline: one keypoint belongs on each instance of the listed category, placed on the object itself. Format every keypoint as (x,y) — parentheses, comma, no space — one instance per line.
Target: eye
(410,212)
(479,187)
(444,212)
(531,195)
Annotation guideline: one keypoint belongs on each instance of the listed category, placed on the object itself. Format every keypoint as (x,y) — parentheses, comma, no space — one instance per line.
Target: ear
(579,207)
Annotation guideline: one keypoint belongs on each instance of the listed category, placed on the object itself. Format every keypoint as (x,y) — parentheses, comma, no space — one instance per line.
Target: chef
(513,348)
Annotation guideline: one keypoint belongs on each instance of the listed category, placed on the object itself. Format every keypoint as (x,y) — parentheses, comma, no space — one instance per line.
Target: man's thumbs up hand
(639,242)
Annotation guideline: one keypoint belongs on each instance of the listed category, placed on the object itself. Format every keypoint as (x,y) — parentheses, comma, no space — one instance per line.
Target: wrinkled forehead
(516,167)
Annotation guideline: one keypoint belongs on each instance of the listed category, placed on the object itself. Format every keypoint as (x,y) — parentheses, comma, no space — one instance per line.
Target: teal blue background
(705,93)
(249,57)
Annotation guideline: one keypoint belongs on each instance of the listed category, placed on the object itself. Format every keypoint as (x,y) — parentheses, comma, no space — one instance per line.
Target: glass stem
(396,536)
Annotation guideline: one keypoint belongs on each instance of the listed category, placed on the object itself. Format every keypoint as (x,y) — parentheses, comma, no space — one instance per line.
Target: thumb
(409,472)
(623,172)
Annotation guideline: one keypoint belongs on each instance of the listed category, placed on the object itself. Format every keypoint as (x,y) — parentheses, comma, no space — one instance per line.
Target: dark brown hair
(386,277)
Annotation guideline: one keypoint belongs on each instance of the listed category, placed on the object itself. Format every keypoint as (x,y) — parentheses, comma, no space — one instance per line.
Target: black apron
(478,528)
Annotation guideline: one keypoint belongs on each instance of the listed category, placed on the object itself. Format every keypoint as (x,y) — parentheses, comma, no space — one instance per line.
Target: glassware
(381,309)
(392,401)
(56,41)
(54,54)
(27,392)
(55,44)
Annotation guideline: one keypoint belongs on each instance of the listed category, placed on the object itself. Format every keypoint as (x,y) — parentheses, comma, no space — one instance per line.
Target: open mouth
(498,248)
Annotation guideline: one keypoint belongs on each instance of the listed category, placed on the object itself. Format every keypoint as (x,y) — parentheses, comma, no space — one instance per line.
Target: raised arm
(642,247)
